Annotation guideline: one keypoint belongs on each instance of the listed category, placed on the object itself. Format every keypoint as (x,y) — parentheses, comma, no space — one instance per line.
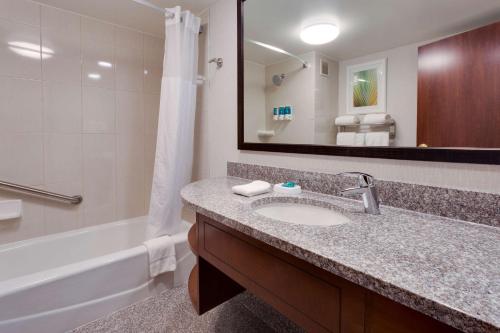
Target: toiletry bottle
(275,114)
(281,113)
(291,114)
(288,113)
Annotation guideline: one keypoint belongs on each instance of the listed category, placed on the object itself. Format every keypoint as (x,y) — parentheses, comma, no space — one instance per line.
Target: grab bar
(73,200)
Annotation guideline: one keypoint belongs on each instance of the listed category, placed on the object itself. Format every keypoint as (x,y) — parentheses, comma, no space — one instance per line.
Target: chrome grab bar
(73,200)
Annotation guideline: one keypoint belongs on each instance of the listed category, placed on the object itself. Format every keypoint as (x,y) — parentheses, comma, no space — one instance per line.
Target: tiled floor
(172,312)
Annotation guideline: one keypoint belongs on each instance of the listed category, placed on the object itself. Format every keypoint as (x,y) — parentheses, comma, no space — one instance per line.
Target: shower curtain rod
(305,64)
(155,7)
(168,13)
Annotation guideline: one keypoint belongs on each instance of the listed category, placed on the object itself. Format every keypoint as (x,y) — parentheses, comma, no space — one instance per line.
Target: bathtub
(58,282)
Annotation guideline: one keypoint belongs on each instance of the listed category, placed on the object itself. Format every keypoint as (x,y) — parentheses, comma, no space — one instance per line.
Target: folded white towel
(161,255)
(375,118)
(254,188)
(379,139)
(346,138)
(266,133)
(346,120)
(359,140)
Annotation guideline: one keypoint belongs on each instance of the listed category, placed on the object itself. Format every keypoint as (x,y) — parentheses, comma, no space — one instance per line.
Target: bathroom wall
(78,114)
(296,90)
(314,98)
(326,100)
(401,100)
(222,120)
(255,100)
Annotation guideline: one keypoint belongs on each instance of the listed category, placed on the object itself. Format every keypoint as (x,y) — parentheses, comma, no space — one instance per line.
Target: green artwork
(364,88)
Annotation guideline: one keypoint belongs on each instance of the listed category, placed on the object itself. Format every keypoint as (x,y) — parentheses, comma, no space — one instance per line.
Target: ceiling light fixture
(318,34)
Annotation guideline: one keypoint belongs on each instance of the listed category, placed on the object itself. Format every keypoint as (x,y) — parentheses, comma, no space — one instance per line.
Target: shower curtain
(174,147)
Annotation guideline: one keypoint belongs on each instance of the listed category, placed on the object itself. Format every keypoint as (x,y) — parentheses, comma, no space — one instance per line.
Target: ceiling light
(318,34)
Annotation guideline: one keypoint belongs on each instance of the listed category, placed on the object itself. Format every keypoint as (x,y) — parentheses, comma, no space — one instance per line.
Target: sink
(300,213)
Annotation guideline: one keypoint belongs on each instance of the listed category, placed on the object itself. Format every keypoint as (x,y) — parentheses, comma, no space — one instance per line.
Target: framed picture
(366,87)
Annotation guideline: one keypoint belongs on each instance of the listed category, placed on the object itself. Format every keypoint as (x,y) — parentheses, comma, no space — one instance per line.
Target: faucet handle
(364,179)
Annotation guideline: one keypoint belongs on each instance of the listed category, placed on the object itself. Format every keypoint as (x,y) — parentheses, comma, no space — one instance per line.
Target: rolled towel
(161,252)
(375,118)
(346,138)
(379,139)
(254,188)
(346,120)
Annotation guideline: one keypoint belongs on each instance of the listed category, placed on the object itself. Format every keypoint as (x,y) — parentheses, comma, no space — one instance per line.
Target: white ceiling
(128,13)
(366,26)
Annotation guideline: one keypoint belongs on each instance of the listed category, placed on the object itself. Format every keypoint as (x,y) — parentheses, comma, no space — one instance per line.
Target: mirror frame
(478,156)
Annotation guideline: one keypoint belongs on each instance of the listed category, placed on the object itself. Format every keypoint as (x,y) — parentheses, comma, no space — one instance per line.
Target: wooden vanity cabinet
(230,262)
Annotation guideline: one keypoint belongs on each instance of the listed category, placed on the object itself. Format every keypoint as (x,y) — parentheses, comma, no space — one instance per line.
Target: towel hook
(218,61)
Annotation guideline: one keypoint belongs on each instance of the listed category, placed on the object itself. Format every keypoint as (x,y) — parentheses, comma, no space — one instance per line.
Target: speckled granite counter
(447,269)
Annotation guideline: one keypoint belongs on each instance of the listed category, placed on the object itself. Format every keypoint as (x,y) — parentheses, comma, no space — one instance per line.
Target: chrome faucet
(367,189)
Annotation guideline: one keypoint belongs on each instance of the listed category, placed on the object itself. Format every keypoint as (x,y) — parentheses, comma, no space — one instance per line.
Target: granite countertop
(445,268)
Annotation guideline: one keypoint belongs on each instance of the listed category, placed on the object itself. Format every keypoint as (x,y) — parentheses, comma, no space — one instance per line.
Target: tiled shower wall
(79,101)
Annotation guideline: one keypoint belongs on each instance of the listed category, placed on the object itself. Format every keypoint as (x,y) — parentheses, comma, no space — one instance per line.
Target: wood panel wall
(459,90)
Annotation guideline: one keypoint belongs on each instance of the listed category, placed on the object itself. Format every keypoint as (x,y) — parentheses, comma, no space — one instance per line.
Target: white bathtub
(58,282)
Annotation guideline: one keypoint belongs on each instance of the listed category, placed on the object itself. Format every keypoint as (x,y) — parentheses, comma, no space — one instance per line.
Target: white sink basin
(298,213)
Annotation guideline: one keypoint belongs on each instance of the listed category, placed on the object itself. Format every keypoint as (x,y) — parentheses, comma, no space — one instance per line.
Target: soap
(287,188)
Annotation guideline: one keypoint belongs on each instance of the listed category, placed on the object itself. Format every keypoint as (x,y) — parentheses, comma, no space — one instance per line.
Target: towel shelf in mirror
(389,125)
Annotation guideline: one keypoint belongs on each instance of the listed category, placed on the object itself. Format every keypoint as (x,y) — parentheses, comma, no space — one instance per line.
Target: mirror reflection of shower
(278,79)
(279,50)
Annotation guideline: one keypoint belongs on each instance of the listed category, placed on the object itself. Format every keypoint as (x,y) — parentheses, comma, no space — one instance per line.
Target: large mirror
(378,78)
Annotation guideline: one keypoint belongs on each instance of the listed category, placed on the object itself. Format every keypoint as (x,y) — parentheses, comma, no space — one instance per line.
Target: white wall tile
(65,132)
(129,60)
(129,113)
(151,106)
(20,105)
(153,64)
(99,176)
(22,158)
(22,11)
(60,217)
(63,158)
(152,79)
(19,50)
(30,225)
(153,51)
(96,215)
(62,106)
(61,33)
(151,110)
(98,54)
(98,110)
(130,197)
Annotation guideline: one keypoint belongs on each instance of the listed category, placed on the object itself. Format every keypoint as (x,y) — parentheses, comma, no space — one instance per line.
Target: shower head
(278,79)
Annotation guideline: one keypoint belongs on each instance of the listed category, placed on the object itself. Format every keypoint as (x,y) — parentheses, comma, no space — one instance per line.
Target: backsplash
(478,207)
(79,100)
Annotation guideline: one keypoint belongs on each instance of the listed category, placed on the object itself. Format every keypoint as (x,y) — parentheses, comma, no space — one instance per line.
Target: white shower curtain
(174,147)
